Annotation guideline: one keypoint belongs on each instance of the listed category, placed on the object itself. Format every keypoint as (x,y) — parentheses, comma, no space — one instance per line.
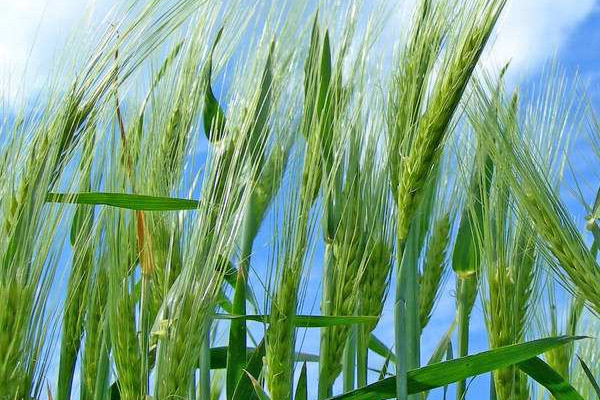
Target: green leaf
(442,347)
(115,393)
(122,200)
(465,256)
(380,348)
(384,369)
(449,356)
(230,278)
(306,321)
(596,207)
(441,374)
(224,302)
(550,379)
(319,321)
(302,388)
(257,136)
(218,356)
(243,388)
(82,224)
(311,76)
(327,105)
(590,376)
(258,388)
(318,94)
(213,115)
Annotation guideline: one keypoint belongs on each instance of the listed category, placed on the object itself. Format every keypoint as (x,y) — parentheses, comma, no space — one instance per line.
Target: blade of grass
(590,376)
(302,386)
(213,115)
(379,347)
(449,356)
(306,321)
(440,374)
(349,361)
(262,395)
(243,388)
(126,201)
(542,373)
(205,361)
(442,347)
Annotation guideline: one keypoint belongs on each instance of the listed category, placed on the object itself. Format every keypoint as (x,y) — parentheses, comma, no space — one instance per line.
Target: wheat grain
(280,339)
(348,252)
(433,269)
(539,203)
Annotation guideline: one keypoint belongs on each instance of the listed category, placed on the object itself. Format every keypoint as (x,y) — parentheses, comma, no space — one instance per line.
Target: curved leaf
(376,345)
(441,374)
(262,395)
(213,115)
(550,379)
(590,376)
(243,388)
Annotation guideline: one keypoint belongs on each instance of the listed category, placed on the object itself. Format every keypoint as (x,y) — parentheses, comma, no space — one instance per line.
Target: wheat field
(266,200)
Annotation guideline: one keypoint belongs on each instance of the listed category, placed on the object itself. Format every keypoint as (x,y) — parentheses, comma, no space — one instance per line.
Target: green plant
(194,137)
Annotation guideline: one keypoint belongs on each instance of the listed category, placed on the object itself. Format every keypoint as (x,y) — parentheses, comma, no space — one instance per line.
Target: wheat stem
(349,361)
(401,329)
(466,295)
(236,354)
(203,384)
(325,384)
(102,379)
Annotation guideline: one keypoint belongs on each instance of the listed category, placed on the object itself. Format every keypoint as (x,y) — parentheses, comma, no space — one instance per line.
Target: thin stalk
(103,372)
(236,355)
(401,321)
(413,322)
(324,387)
(463,336)
(407,323)
(362,356)
(145,327)
(65,372)
(350,361)
(192,388)
(465,291)
(203,386)
(492,387)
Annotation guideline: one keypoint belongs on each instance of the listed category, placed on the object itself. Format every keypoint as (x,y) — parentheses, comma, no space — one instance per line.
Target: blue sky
(32,32)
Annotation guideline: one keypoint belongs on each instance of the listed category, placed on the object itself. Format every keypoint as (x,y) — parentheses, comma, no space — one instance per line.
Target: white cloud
(532,31)
(528,34)
(32,33)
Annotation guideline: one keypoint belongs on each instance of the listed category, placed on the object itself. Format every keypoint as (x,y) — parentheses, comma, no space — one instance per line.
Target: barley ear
(434,268)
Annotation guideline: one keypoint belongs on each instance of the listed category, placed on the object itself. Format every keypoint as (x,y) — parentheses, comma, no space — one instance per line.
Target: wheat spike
(433,269)
(536,198)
